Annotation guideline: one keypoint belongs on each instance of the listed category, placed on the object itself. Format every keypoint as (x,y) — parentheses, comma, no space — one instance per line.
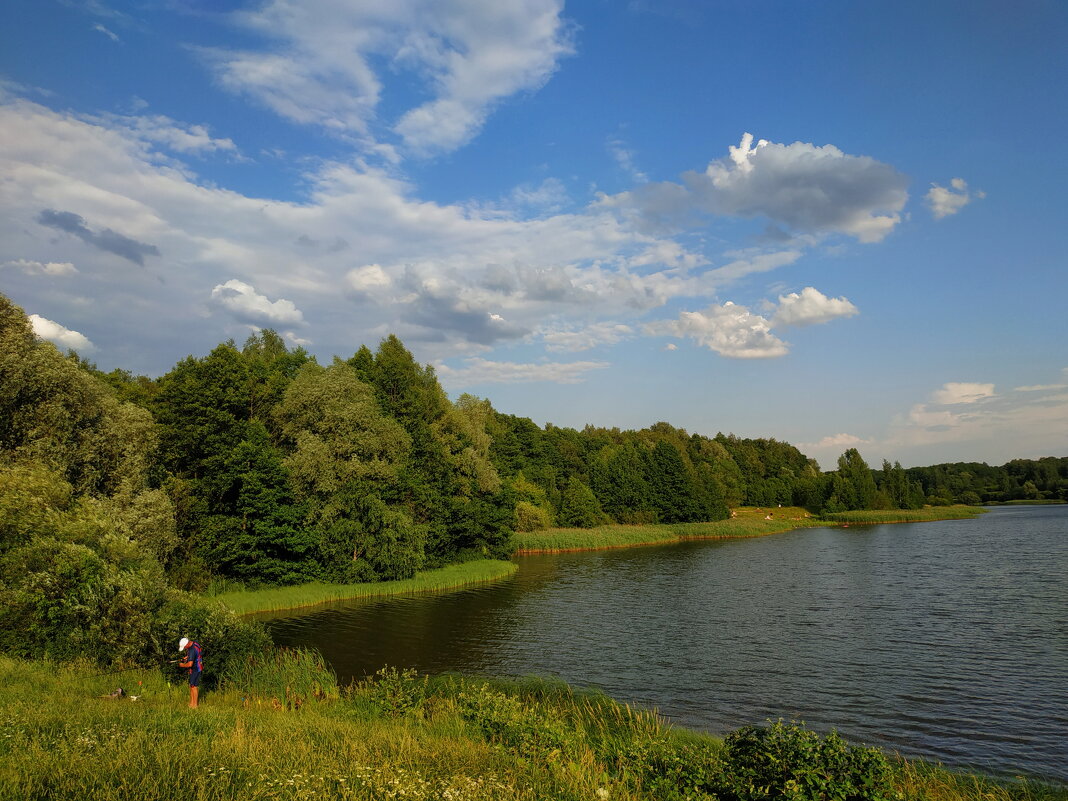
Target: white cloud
(624,157)
(953,393)
(108,33)
(248,305)
(369,278)
(1040,387)
(945,201)
(448,278)
(59,335)
(730,330)
(323,67)
(811,307)
(31,267)
(834,441)
(586,338)
(806,188)
(482,371)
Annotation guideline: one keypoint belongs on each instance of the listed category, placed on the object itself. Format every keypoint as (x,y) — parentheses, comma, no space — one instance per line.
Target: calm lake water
(947,640)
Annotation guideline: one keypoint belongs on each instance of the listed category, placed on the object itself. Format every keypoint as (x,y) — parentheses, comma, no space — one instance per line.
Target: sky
(837,224)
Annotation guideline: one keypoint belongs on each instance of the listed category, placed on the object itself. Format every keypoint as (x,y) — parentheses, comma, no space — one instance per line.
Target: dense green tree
(579,506)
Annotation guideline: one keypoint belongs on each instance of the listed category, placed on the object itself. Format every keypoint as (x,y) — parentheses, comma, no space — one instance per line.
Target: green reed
(301,595)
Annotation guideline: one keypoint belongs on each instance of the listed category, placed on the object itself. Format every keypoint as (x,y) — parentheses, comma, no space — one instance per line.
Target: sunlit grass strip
(748,522)
(556,540)
(924,515)
(273,599)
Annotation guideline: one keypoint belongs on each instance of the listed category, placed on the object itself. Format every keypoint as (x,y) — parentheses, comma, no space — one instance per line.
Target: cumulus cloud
(106,239)
(322,68)
(586,338)
(456,278)
(248,305)
(59,335)
(30,267)
(954,393)
(729,330)
(801,186)
(944,201)
(482,371)
(811,307)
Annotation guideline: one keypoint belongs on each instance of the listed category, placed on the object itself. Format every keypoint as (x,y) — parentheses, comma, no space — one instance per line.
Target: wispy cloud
(322,66)
(482,371)
(30,267)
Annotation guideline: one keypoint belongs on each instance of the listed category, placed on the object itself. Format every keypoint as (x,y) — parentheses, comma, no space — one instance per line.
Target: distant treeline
(258,464)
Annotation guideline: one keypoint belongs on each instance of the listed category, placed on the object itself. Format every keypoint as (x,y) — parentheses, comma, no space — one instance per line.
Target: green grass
(449,577)
(928,513)
(747,522)
(398,735)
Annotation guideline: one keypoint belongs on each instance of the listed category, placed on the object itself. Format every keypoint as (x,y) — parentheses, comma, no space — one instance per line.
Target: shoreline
(748,523)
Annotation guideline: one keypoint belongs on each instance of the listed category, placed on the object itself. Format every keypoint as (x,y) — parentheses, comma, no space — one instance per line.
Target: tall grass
(745,522)
(927,514)
(400,735)
(449,577)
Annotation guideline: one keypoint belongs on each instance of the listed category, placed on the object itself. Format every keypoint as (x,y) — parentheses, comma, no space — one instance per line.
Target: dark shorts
(194,678)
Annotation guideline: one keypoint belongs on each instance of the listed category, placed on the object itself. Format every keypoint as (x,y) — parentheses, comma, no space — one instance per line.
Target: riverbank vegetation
(450,577)
(744,522)
(283,729)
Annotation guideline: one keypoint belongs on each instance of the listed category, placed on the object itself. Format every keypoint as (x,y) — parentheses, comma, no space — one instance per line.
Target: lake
(944,640)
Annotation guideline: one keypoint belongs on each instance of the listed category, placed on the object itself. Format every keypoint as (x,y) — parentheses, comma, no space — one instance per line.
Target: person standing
(194,661)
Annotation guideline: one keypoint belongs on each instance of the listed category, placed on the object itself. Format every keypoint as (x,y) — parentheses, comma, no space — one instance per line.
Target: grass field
(301,595)
(395,736)
(928,513)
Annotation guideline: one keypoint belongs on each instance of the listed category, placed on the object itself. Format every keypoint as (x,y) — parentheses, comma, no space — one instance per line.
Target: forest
(123,497)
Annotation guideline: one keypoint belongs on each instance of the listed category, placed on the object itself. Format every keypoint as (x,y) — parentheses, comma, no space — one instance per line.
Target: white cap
(182,643)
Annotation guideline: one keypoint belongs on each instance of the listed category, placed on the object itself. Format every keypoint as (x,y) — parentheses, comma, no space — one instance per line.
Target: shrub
(792,762)
(394,692)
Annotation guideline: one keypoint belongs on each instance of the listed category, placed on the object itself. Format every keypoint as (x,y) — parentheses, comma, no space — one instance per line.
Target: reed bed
(273,599)
(927,514)
(745,522)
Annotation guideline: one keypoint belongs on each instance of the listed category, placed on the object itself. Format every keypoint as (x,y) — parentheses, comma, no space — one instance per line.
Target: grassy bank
(301,595)
(400,736)
(747,522)
(928,513)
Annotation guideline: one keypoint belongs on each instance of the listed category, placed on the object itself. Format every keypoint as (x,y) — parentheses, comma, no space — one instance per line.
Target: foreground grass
(449,577)
(747,522)
(395,736)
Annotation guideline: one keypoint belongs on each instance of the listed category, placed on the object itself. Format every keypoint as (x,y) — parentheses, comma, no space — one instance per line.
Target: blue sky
(838,224)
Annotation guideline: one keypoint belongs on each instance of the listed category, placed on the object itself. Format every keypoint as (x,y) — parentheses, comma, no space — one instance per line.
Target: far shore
(746,522)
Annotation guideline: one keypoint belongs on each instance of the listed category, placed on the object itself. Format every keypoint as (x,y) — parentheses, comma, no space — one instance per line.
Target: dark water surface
(947,640)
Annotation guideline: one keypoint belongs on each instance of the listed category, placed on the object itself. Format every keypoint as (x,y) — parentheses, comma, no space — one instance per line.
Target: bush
(792,762)
(394,692)
(228,641)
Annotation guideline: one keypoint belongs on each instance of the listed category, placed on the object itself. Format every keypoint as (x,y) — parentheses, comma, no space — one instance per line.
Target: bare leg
(193,693)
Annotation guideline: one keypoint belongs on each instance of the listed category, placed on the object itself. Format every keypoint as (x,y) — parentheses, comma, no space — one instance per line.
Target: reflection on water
(942,640)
